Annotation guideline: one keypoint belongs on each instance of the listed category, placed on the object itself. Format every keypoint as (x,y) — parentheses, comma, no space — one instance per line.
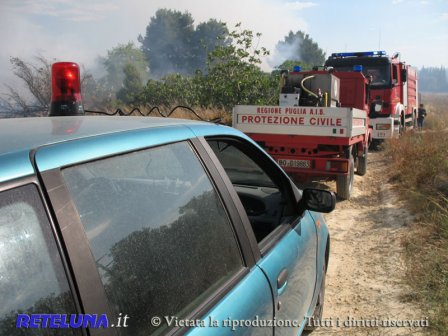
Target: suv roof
(27,133)
(20,136)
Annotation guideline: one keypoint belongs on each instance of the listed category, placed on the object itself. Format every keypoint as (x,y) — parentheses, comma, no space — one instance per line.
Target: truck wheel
(361,168)
(402,128)
(344,183)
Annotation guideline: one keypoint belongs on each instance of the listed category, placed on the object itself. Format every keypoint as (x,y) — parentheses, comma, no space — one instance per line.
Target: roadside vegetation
(176,62)
(420,166)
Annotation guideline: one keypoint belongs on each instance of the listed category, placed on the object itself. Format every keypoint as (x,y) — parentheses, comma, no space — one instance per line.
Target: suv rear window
(159,234)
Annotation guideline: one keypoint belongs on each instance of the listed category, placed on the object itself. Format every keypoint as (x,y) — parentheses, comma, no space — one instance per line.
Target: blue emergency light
(357,68)
(297,68)
(359,54)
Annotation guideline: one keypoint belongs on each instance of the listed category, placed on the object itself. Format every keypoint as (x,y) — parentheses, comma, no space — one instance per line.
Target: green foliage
(132,84)
(232,77)
(173,45)
(167,42)
(117,59)
(207,37)
(172,89)
(289,65)
(206,66)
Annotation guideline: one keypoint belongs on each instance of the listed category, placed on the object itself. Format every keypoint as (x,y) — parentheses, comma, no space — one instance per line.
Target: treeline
(433,79)
(206,65)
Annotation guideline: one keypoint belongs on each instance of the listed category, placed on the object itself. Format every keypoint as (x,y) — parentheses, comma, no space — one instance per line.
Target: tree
(300,47)
(173,89)
(167,43)
(234,76)
(36,78)
(132,84)
(207,37)
(173,45)
(433,79)
(117,59)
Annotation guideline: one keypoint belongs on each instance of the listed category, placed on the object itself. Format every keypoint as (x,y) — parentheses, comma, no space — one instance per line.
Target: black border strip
(233,205)
(91,290)
(233,200)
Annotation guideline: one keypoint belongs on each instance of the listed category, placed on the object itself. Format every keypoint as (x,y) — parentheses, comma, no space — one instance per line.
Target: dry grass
(437,108)
(183,113)
(204,113)
(420,166)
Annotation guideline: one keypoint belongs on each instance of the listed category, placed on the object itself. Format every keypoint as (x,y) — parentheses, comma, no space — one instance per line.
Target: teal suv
(172,226)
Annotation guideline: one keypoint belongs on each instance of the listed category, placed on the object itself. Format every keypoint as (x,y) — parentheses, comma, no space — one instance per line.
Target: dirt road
(365,279)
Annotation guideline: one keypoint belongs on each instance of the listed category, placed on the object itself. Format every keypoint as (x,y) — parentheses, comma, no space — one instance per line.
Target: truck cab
(393,85)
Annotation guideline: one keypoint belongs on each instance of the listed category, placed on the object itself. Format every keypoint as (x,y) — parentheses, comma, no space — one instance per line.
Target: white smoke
(285,51)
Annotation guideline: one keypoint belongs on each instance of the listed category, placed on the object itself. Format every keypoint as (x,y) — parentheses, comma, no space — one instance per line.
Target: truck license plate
(294,163)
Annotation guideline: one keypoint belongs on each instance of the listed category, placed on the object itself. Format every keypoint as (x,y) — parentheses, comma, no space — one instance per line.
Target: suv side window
(263,195)
(158,231)
(32,277)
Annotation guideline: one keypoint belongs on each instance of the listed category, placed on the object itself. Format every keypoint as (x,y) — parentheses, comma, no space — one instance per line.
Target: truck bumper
(312,166)
(385,128)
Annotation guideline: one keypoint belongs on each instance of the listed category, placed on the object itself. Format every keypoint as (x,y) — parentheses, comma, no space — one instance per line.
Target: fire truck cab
(393,90)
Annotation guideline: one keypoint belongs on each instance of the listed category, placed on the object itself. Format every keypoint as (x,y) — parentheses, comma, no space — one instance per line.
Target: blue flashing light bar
(297,68)
(359,54)
(357,68)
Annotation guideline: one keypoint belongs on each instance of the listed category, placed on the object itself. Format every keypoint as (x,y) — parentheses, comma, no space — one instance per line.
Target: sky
(82,30)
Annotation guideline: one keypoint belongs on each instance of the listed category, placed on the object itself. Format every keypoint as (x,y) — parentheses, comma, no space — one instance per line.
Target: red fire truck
(320,128)
(393,96)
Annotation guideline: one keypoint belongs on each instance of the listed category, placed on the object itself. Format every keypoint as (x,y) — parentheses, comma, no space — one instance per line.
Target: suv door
(161,240)
(286,242)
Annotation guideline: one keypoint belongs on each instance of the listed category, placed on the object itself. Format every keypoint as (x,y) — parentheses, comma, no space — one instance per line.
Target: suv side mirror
(318,200)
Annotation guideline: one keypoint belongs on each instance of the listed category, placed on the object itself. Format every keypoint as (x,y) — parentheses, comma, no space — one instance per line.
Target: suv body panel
(54,143)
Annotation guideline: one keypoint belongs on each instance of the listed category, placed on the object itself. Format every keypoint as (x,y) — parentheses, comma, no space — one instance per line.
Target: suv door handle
(282,281)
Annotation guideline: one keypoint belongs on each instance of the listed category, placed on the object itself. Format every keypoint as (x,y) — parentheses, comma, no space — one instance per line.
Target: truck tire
(344,183)
(361,168)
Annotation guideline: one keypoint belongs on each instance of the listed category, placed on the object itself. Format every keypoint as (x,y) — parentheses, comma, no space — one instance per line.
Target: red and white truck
(393,96)
(320,128)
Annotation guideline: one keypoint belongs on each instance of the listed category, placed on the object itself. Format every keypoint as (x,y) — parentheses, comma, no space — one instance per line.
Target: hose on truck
(305,89)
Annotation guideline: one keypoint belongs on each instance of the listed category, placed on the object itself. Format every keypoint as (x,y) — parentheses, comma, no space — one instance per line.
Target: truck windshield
(380,73)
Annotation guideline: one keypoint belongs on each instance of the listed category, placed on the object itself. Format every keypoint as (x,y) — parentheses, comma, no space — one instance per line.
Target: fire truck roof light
(357,68)
(65,90)
(359,54)
(297,68)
